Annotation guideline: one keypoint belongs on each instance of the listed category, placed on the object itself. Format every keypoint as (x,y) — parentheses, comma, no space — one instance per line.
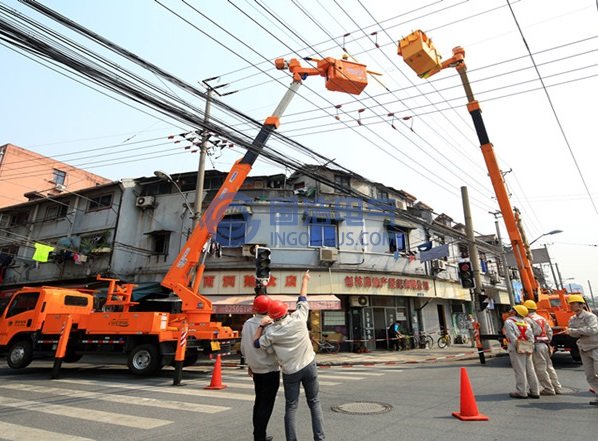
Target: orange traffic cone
(469,408)
(216,382)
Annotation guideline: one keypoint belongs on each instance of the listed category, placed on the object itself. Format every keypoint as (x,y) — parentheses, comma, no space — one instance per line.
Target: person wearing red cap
(263,368)
(286,335)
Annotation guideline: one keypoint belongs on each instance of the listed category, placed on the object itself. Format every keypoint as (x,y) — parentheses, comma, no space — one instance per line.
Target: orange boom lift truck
(64,323)
(420,54)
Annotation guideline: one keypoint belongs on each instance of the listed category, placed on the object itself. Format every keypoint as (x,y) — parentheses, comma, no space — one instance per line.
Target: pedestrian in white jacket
(584,325)
(521,345)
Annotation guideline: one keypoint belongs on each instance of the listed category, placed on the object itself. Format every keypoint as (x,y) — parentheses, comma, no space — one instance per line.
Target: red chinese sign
(386,282)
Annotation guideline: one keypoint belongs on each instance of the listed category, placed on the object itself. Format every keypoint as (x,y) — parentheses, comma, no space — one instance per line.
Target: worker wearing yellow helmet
(549,381)
(584,325)
(520,335)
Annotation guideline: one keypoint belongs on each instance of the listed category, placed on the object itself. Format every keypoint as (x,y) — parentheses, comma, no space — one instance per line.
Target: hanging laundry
(41,252)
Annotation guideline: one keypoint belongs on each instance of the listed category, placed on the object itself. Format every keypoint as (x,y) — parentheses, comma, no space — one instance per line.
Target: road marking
(339,377)
(168,390)
(12,432)
(113,398)
(97,416)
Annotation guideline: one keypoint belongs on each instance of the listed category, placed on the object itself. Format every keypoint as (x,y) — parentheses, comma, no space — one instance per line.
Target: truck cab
(23,318)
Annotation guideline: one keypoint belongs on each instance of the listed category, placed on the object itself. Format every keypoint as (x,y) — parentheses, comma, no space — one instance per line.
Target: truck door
(19,315)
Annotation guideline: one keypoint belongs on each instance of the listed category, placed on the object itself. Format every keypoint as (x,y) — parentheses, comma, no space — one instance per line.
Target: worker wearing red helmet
(584,325)
(263,368)
(286,335)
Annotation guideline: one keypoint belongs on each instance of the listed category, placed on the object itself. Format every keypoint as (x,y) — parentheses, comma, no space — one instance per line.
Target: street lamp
(166,177)
(545,234)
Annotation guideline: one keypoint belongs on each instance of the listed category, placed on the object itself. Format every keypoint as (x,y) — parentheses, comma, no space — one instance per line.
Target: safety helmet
(261,304)
(521,310)
(530,304)
(575,298)
(277,309)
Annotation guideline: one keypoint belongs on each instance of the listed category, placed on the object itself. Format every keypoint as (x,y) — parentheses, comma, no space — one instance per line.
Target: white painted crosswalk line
(12,432)
(339,377)
(113,398)
(180,390)
(97,416)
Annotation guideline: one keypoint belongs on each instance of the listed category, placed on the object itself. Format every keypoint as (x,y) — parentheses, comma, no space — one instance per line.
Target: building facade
(367,256)
(24,173)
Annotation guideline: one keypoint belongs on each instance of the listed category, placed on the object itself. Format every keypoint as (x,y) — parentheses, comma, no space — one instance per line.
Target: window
(382,195)
(463,251)
(322,233)
(22,303)
(483,263)
(75,301)
(160,242)
(397,240)
(100,202)
(59,177)
(231,231)
(342,180)
(5,219)
(57,211)
(19,219)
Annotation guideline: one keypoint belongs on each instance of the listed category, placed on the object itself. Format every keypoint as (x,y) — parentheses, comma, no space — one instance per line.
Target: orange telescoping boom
(420,54)
(67,323)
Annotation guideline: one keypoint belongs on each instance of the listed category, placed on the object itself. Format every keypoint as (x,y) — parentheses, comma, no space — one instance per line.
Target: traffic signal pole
(475,264)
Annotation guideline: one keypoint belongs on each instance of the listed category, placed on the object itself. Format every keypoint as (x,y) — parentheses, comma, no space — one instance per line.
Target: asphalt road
(104,402)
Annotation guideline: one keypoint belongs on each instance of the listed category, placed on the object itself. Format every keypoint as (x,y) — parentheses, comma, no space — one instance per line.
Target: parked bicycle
(326,346)
(444,340)
(422,340)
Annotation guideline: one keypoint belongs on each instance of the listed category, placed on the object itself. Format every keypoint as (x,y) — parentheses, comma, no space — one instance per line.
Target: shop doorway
(442,319)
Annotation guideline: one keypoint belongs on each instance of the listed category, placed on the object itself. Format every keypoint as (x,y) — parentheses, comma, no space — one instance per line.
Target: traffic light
(483,300)
(262,264)
(466,275)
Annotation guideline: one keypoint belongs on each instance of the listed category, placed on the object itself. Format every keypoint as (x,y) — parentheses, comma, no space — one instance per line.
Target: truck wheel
(72,357)
(191,358)
(20,354)
(144,360)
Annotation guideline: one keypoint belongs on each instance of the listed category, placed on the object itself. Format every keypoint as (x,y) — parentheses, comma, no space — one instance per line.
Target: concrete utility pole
(591,294)
(203,149)
(203,152)
(556,283)
(556,265)
(506,268)
(475,261)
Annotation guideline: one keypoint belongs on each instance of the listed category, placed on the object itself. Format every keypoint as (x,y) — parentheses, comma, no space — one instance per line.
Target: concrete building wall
(23,171)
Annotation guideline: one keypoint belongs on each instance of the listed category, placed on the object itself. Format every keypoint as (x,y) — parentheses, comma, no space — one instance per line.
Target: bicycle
(422,340)
(326,346)
(444,340)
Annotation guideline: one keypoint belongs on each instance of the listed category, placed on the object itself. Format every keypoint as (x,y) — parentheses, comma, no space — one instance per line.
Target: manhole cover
(362,408)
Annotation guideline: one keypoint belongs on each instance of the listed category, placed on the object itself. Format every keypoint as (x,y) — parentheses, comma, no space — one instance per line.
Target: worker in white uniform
(521,345)
(584,325)
(547,377)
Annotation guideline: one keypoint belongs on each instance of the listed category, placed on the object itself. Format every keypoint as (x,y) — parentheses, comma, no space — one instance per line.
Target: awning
(243,304)
(399,224)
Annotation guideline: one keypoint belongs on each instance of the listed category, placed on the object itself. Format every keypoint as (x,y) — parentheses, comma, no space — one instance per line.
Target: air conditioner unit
(145,202)
(359,301)
(494,278)
(328,254)
(439,265)
(60,187)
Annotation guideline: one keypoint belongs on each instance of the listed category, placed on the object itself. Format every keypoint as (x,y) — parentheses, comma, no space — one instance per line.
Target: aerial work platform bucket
(420,54)
(345,76)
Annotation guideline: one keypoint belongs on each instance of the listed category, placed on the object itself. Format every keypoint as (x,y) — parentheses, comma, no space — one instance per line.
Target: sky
(538,109)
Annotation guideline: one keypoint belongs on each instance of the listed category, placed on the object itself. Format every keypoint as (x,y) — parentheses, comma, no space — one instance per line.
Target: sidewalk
(452,353)
(411,356)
